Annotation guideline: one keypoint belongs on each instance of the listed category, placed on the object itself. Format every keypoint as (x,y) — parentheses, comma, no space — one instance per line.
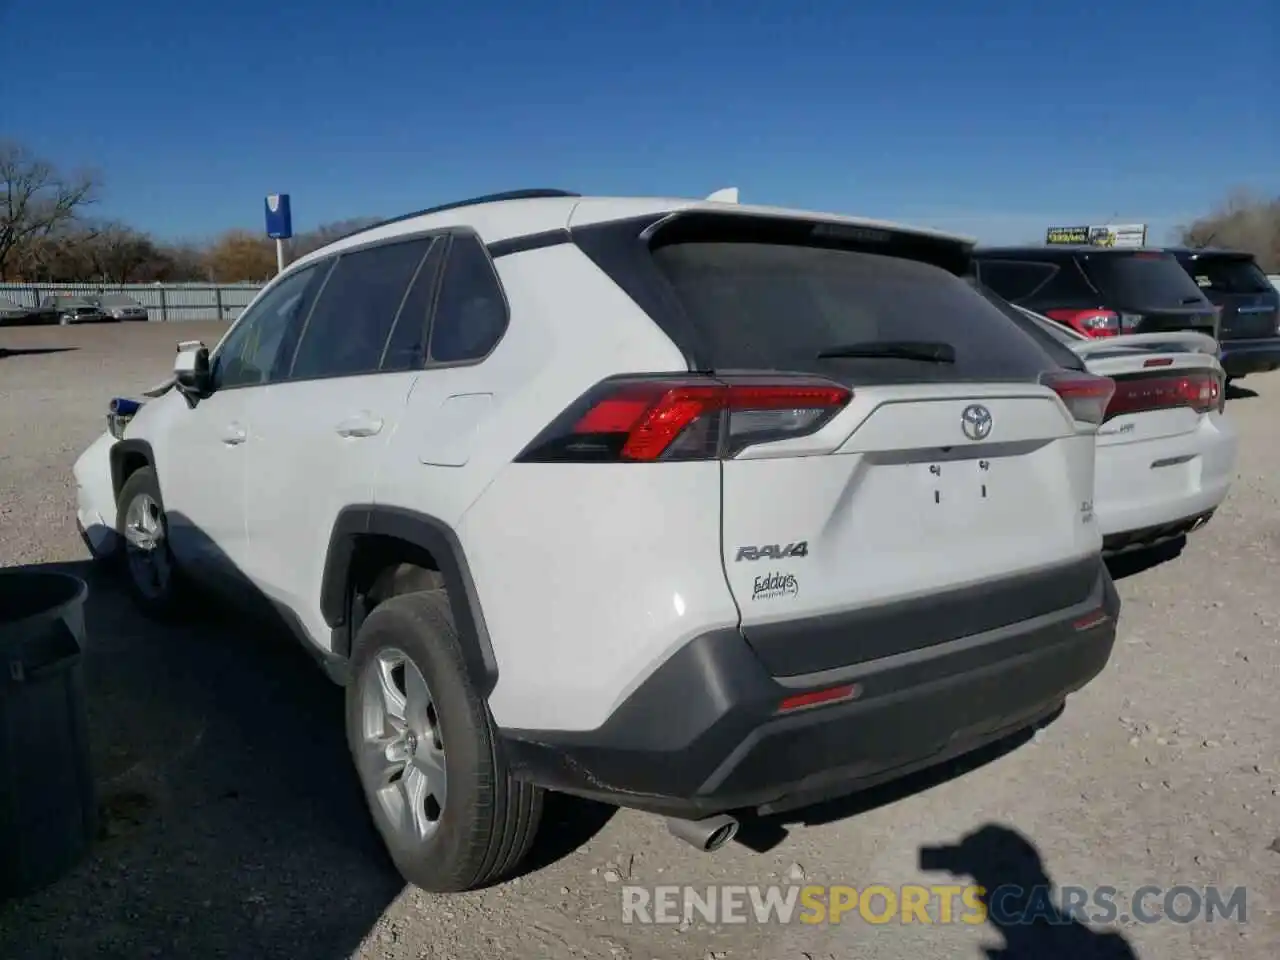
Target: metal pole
(279,256)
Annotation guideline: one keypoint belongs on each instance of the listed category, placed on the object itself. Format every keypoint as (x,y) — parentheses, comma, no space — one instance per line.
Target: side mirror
(191,369)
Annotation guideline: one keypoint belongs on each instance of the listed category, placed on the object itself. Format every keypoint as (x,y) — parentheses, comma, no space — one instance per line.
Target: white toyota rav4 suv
(693,507)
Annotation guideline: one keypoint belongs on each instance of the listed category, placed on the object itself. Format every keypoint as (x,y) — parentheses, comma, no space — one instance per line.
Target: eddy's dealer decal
(774,585)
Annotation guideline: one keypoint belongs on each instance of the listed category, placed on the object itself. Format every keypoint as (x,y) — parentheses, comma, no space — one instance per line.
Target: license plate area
(958,494)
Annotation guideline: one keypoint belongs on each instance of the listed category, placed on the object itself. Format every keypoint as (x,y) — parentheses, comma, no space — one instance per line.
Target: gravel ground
(232,825)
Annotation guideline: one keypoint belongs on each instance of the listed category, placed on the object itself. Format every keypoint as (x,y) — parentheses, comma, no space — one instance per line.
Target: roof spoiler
(1171,341)
(727,195)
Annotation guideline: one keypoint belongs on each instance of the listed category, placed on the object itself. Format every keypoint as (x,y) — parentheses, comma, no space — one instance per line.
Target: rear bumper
(1241,357)
(1156,484)
(703,734)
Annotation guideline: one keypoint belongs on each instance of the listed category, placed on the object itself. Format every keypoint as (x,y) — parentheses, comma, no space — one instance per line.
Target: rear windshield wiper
(1192,299)
(923,350)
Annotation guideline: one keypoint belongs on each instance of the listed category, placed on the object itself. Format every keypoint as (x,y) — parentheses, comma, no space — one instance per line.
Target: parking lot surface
(232,824)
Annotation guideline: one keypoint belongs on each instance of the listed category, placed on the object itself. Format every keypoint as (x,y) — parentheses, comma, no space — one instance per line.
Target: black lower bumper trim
(1241,357)
(1148,537)
(703,734)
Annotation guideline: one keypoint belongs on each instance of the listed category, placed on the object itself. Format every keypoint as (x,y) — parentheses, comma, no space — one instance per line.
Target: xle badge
(772,551)
(775,585)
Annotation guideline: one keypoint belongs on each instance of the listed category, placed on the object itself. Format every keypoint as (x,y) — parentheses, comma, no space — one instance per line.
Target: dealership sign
(1100,235)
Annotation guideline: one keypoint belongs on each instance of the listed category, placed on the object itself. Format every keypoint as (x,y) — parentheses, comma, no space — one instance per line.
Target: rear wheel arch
(382,551)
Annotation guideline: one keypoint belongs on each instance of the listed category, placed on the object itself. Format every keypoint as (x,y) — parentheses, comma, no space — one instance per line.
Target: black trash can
(48,809)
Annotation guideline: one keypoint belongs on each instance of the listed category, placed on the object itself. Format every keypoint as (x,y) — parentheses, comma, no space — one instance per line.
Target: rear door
(1233,282)
(1150,291)
(323,425)
(951,495)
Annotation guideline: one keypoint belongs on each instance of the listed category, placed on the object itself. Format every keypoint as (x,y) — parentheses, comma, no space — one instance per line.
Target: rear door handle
(234,434)
(361,425)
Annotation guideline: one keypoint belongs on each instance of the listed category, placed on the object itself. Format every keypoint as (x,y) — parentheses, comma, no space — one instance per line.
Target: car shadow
(1017,897)
(1237,392)
(764,833)
(33,351)
(231,819)
(1140,561)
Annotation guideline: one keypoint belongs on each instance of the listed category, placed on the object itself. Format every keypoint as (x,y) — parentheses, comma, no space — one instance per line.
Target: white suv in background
(697,508)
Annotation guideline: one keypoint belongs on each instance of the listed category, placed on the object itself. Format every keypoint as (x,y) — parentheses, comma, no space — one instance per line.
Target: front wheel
(424,747)
(153,578)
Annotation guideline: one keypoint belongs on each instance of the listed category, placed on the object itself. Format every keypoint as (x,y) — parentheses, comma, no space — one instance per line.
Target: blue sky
(990,118)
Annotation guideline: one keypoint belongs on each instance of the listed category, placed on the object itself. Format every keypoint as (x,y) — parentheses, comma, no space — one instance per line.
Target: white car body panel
(95,497)
(1156,467)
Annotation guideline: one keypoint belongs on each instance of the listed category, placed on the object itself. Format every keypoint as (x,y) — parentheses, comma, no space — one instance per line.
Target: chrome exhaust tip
(708,834)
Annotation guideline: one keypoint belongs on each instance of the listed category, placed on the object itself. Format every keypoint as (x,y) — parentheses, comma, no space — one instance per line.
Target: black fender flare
(427,533)
(120,451)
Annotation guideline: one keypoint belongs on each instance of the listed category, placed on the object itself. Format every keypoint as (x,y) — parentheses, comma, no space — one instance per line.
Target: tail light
(1085,395)
(1202,391)
(645,419)
(1092,323)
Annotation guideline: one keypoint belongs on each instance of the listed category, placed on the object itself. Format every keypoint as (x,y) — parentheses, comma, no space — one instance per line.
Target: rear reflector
(1092,323)
(800,701)
(641,420)
(1202,391)
(1085,395)
(1095,619)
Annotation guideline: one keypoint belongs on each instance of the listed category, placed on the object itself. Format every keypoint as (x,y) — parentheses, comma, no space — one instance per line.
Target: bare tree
(35,200)
(1244,221)
(305,243)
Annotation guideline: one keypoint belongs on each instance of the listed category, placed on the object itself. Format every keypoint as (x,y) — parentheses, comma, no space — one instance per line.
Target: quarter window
(471,311)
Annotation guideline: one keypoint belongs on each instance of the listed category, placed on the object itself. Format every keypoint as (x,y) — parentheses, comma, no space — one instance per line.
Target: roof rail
(533,194)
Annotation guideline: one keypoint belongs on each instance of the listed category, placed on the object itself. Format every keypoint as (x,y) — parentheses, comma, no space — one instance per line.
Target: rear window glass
(1015,280)
(1053,341)
(1227,275)
(762,306)
(1142,280)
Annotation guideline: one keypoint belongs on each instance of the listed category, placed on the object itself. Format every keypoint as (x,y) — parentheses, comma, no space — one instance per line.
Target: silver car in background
(119,306)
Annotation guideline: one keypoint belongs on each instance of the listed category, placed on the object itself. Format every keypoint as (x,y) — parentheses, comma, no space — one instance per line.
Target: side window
(248,354)
(471,310)
(407,346)
(348,328)
(1014,280)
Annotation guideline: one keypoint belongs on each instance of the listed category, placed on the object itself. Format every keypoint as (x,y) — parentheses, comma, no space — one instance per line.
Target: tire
(488,821)
(162,597)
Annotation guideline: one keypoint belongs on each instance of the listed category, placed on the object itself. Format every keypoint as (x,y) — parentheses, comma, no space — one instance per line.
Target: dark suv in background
(1099,291)
(1249,307)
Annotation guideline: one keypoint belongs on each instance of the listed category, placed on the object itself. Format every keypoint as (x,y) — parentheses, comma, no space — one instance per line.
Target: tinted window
(407,347)
(471,312)
(1227,275)
(776,307)
(1142,280)
(1012,279)
(249,353)
(1051,342)
(356,309)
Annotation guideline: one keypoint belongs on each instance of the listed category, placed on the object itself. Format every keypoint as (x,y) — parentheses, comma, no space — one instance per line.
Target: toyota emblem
(976,422)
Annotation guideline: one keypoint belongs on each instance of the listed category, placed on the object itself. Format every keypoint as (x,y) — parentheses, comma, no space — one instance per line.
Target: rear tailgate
(1249,304)
(946,498)
(1151,291)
